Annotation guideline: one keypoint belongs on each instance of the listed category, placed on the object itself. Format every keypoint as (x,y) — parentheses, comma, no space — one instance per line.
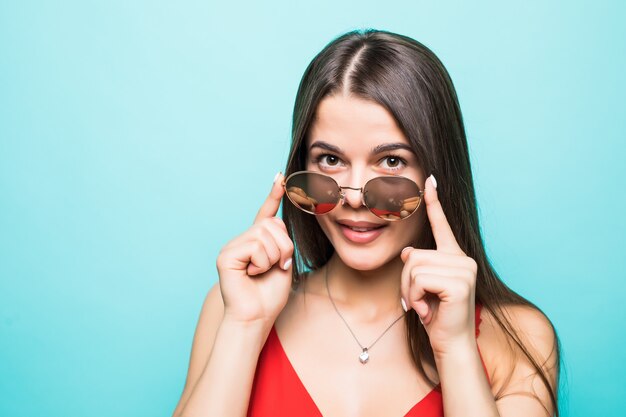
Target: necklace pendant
(364,356)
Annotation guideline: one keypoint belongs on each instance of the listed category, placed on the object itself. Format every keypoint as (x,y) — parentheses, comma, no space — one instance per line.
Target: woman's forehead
(353,124)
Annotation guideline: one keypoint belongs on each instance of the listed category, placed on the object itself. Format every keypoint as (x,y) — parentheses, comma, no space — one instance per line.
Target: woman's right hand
(255,267)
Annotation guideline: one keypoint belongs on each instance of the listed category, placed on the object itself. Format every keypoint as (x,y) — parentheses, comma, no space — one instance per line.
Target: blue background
(122,123)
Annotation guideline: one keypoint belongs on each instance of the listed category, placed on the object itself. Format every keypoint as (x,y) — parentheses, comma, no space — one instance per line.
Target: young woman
(379,214)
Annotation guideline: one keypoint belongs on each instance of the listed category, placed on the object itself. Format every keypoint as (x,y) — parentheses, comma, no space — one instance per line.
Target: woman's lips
(360,234)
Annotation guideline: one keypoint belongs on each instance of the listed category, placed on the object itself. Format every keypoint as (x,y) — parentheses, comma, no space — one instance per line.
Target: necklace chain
(364,356)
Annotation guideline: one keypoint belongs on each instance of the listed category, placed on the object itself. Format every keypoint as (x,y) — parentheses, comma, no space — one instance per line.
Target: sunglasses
(389,197)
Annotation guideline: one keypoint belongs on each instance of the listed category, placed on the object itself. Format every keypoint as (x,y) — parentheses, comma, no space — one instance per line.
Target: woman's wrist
(457,352)
(253,326)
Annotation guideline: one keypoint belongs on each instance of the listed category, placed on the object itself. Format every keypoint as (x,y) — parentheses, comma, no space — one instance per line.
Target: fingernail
(420,317)
(407,248)
(403,304)
(287,264)
(276,177)
(433,181)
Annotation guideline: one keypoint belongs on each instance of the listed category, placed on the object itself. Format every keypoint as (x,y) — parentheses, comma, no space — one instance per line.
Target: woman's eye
(328,160)
(393,162)
(332,160)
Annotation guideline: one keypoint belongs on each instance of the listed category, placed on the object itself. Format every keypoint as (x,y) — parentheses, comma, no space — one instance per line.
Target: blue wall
(122,122)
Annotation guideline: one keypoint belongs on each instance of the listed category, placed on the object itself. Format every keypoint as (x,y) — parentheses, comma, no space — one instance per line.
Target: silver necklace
(364,356)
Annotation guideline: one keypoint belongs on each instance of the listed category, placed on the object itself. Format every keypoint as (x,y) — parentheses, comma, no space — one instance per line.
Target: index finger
(442,232)
(271,204)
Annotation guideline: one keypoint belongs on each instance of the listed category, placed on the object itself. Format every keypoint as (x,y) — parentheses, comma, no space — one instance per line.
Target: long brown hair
(407,79)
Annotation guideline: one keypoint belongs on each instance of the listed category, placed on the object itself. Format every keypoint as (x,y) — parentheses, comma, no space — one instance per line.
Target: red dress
(277,390)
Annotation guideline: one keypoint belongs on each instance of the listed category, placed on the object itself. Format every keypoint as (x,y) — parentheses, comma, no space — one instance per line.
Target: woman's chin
(364,259)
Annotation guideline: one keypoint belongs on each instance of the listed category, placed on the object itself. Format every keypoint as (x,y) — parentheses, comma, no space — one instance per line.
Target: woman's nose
(352,197)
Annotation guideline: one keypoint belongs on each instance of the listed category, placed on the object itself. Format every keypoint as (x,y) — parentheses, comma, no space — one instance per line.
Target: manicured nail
(276,177)
(433,181)
(287,264)
(403,304)
(420,317)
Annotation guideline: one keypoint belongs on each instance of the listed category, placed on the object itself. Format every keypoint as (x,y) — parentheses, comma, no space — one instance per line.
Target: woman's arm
(440,285)
(222,364)
(466,390)
(255,278)
(224,387)
(464,386)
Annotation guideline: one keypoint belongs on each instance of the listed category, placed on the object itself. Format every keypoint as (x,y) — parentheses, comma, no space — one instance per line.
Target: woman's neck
(367,295)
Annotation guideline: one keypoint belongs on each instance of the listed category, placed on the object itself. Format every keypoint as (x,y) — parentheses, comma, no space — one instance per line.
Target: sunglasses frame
(342,194)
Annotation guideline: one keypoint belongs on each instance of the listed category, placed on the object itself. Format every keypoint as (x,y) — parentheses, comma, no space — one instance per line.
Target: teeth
(362,229)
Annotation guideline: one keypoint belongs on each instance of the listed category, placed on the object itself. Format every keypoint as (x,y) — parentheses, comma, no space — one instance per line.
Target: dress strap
(478,319)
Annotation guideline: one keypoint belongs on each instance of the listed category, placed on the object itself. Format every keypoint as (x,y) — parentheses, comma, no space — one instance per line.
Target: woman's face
(346,142)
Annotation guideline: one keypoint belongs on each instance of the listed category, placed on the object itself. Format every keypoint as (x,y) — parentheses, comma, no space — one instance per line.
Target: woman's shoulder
(529,323)
(512,337)
(525,318)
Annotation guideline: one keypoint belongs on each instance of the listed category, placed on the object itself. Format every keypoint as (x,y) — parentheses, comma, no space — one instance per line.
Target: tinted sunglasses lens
(392,198)
(313,193)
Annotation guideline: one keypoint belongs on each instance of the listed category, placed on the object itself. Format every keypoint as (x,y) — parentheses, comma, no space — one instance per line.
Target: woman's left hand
(440,284)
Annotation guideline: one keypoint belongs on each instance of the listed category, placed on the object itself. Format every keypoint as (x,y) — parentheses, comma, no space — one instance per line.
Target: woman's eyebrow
(385,147)
(391,147)
(325,145)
